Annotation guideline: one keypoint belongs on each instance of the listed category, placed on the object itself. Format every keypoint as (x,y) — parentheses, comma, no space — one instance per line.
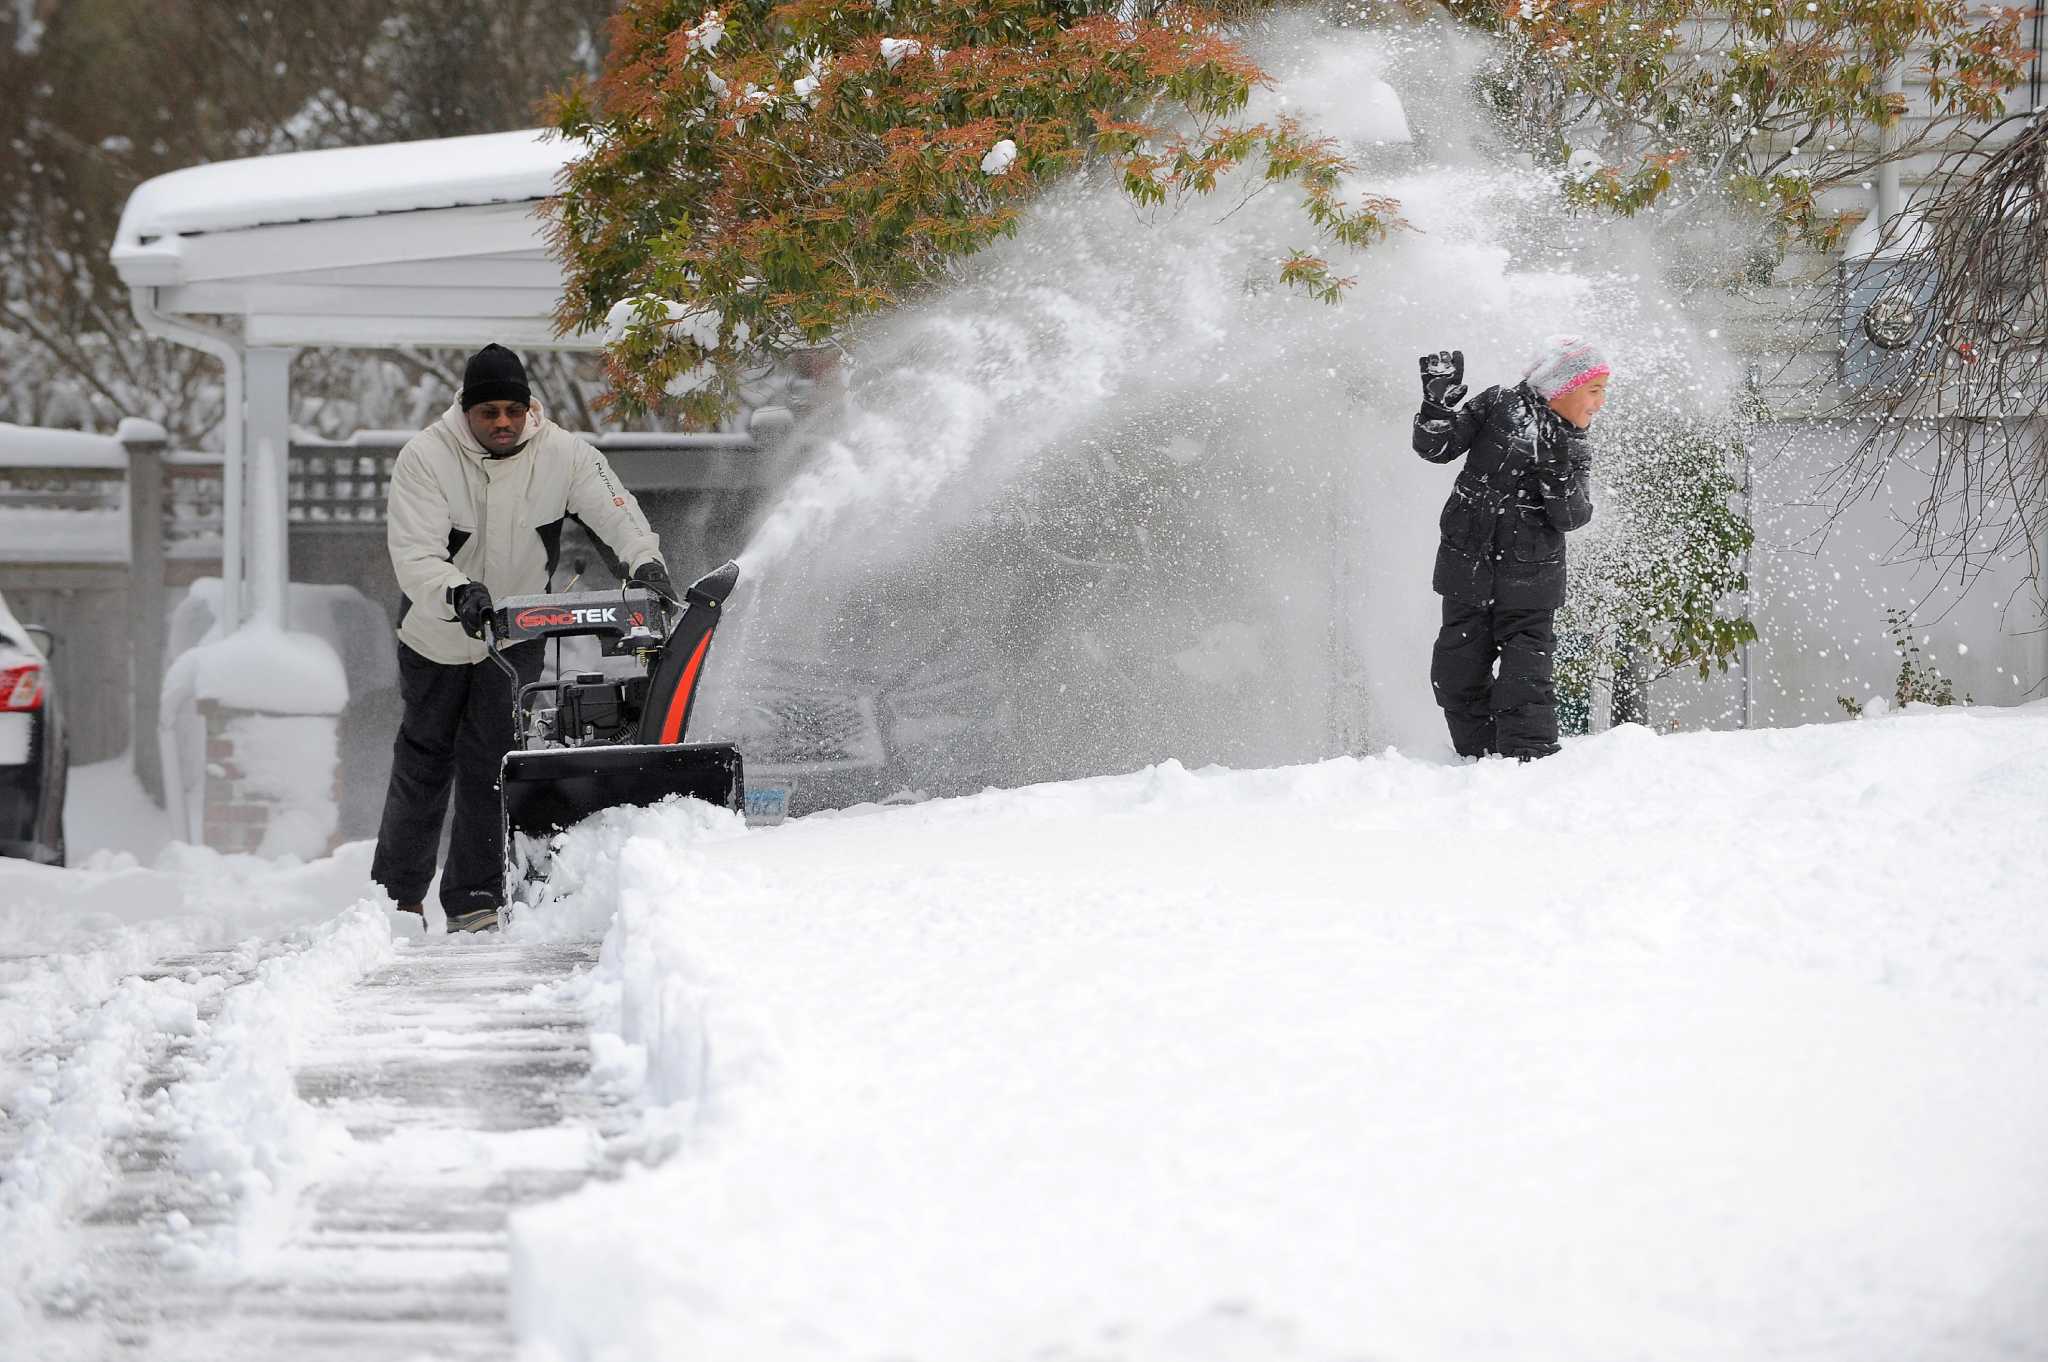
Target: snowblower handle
(511,672)
(490,646)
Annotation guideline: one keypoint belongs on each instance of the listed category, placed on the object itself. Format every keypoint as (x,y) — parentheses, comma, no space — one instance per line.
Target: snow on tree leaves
(815,163)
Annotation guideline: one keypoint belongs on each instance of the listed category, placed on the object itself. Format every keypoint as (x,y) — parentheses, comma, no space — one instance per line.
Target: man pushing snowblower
(477,504)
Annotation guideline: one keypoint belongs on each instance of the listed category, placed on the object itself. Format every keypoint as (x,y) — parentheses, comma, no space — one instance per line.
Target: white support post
(233,495)
(268,446)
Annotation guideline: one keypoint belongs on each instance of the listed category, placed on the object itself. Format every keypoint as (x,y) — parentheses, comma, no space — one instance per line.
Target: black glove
(652,575)
(472,605)
(1443,378)
(1562,452)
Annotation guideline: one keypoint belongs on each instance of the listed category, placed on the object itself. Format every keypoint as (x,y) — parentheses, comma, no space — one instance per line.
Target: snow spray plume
(1114,498)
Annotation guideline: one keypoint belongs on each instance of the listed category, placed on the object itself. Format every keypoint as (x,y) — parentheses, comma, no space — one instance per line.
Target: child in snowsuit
(1500,565)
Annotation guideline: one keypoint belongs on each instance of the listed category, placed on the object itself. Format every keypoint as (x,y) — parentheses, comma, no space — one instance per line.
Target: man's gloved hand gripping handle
(653,575)
(472,605)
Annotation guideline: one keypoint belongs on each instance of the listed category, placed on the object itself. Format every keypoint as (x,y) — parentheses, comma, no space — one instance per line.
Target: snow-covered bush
(1654,584)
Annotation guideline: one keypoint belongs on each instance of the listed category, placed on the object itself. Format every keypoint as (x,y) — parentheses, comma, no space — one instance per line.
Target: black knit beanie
(494,374)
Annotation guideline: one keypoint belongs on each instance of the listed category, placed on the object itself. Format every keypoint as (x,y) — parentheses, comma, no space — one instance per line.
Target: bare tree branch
(1948,365)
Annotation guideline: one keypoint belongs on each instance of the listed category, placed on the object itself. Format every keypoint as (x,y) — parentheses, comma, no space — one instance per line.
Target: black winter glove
(654,576)
(472,605)
(1562,454)
(1443,378)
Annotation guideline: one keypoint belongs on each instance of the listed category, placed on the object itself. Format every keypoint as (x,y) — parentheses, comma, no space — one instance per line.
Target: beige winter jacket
(456,515)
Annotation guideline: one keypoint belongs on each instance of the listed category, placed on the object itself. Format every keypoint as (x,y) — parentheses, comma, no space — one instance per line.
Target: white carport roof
(413,243)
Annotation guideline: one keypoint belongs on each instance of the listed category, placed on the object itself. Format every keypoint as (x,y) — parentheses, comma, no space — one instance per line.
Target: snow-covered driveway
(304,1144)
(1699,1047)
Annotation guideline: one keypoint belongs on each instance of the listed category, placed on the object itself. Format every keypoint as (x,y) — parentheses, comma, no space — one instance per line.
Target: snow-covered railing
(347,482)
(331,482)
(63,489)
(64,495)
(60,470)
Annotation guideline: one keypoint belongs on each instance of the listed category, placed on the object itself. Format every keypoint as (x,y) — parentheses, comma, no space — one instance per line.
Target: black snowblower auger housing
(591,741)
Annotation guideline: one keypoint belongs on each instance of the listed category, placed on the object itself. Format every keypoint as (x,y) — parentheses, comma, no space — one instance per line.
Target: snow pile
(1707,1046)
(237,1116)
(141,430)
(187,898)
(266,672)
(264,669)
(109,819)
(289,685)
(614,878)
(894,50)
(88,1016)
(354,628)
(292,763)
(696,325)
(708,33)
(807,85)
(448,172)
(1000,158)
(38,447)
(60,533)
(66,1113)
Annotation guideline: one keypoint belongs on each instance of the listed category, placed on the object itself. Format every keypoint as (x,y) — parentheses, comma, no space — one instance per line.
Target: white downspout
(1889,200)
(228,350)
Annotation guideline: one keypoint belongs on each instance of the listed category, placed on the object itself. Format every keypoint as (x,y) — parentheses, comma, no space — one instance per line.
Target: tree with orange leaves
(758,176)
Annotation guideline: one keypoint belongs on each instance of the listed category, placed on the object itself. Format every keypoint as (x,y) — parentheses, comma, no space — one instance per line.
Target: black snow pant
(1514,714)
(456,731)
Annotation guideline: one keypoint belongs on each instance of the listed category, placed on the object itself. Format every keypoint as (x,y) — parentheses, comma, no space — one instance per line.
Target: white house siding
(1823,577)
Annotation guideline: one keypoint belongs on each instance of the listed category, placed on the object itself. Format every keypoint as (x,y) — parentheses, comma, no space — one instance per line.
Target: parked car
(34,758)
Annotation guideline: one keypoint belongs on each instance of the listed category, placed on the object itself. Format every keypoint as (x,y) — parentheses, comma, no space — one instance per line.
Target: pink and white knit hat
(1564,363)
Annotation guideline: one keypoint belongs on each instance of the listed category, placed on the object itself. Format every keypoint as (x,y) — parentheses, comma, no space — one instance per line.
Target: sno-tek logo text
(550,617)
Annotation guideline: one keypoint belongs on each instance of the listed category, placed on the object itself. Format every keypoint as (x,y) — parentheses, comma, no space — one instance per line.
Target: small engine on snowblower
(591,741)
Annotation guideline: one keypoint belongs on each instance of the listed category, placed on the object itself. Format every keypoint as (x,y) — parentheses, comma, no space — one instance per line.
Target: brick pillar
(272,800)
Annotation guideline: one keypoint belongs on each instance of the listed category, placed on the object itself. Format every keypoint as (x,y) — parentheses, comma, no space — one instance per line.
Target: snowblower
(590,741)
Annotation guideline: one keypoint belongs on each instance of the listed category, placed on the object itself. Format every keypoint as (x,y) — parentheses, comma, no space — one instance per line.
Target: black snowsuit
(1500,565)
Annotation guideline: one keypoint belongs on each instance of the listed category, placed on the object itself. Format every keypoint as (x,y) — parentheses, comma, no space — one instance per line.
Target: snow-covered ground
(124,965)
(1703,1046)
(1706,1046)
